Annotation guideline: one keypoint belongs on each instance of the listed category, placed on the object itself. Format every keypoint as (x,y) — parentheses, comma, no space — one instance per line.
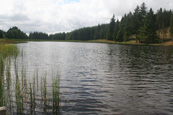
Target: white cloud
(65,15)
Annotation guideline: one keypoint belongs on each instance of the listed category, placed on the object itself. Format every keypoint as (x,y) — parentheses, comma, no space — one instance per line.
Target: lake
(104,79)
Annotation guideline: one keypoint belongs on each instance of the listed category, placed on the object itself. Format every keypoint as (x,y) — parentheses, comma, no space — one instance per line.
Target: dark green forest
(142,25)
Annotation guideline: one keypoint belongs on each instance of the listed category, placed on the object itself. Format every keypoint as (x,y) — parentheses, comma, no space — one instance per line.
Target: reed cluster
(23,96)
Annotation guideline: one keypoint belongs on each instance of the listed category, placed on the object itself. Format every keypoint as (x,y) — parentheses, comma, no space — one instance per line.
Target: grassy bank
(113,42)
(11,41)
(130,42)
(8,50)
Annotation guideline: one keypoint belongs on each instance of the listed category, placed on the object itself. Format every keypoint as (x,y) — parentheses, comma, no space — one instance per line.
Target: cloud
(53,16)
(120,7)
(19,18)
(7,21)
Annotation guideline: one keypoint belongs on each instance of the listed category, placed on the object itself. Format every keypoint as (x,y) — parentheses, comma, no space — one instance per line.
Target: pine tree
(171,25)
(111,29)
(97,31)
(138,16)
(136,20)
(148,31)
(116,29)
(125,36)
(128,26)
(1,34)
(159,22)
(120,36)
(143,10)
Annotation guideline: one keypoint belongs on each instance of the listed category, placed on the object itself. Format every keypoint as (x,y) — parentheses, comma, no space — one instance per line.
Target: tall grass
(55,95)
(7,50)
(1,80)
(45,93)
(19,95)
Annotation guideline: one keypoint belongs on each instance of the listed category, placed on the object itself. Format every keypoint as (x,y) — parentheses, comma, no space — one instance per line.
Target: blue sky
(68,1)
(54,16)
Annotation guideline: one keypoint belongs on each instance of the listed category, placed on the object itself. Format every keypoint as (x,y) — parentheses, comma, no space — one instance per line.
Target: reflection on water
(105,78)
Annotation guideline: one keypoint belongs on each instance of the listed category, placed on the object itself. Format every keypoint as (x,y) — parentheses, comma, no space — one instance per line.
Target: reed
(1,80)
(9,103)
(33,93)
(18,94)
(31,99)
(7,85)
(45,93)
(1,92)
(37,79)
(8,50)
(24,80)
(55,96)
(1,65)
(23,94)
(8,73)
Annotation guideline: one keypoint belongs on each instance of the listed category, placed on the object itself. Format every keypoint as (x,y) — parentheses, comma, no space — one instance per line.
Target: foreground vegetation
(20,96)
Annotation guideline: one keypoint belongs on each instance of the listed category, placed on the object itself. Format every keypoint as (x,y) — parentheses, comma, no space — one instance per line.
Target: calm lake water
(105,79)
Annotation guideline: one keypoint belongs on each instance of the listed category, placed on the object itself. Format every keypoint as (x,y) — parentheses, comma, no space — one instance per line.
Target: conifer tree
(120,36)
(148,31)
(171,25)
(97,32)
(143,10)
(111,29)
(116,29)
(138,16)
(159,22)
(1,34)
(136,20)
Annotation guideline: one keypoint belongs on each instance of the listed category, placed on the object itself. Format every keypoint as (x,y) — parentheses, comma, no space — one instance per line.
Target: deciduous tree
(15,33)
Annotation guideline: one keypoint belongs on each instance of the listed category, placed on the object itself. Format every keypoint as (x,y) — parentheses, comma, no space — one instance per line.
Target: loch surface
(104,79)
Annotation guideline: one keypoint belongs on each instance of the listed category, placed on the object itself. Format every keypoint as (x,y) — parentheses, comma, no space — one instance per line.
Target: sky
(54,16)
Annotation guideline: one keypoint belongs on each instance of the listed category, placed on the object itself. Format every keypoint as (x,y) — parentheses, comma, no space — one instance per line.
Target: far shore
(131,42)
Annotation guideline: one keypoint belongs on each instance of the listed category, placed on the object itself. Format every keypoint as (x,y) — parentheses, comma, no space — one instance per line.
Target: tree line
(143,25)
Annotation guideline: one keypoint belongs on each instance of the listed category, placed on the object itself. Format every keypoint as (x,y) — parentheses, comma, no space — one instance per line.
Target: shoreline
(131,42)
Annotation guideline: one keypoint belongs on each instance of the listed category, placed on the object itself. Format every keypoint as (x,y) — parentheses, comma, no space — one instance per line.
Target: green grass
(55,95)
(16,92)
(7,50)
(168,42)
(12,41)
(21,90)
